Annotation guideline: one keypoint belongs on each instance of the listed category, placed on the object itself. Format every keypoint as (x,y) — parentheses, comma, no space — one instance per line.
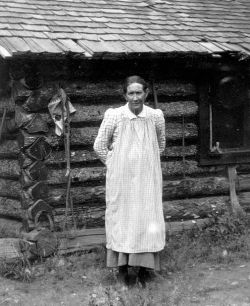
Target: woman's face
(136,96)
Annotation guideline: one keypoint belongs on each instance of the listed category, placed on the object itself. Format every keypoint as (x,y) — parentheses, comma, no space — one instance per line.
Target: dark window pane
(228,112)
(228,127)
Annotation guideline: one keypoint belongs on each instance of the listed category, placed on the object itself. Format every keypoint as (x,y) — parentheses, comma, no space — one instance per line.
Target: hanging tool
(66,133)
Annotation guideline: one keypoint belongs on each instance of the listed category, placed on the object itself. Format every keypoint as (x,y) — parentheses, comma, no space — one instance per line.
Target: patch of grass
(226,240)
(17,269)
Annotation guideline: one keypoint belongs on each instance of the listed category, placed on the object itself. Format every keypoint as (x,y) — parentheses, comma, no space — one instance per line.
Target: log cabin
(195,56)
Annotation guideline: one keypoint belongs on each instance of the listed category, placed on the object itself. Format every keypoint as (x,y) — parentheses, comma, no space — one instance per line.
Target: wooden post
(2,122)
(235,205)
(155,95)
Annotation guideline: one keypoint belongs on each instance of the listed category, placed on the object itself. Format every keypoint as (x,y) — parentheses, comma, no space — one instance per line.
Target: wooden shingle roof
(97,27)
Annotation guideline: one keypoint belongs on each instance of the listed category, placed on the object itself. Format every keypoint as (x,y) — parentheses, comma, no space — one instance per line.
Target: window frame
(225,156)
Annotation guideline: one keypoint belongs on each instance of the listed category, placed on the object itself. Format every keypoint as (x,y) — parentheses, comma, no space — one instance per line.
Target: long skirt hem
(150,260)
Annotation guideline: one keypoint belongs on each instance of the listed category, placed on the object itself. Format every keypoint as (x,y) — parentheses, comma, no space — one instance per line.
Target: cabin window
(225,120)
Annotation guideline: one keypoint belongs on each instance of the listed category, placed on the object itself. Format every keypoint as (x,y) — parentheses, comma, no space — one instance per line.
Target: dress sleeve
(160,130)
(105,133)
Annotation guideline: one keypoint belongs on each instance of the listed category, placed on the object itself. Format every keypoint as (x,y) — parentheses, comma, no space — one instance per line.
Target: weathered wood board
(171,168)
(10,208)
(10,228)
(9,149)
(9,169)
(100,92)
(10,188)
(80,156)
(89,238)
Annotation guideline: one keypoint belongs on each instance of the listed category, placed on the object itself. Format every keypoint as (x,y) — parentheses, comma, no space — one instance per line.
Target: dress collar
(131,115)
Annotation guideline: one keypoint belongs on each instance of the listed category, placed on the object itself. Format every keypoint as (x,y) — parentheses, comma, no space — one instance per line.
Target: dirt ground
(84,280)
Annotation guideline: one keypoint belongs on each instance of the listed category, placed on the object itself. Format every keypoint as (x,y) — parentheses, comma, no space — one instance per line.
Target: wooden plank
(10,228)
(10,208)
(83,241)
(173,228)
(4,52)
(86,136)
(185,209)
(244,199)
(34,47)
(178,151)
(47,45)
(88,113)
(172,189)
(81,233)
(97,174)
(194,208)
(57,158)
(194,187)
(179,108)
(235,205)
(10,249)
(10,188)
(160,46)
(9,169)
(57,176)
(18,44)
(243,182)
(178,46)
(69,45)
(194,46)
(9,149)
(211,47)
(6,44)
(137,46)
(92,92)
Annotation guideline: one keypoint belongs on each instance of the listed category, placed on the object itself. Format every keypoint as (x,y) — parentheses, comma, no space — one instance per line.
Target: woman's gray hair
(134,79)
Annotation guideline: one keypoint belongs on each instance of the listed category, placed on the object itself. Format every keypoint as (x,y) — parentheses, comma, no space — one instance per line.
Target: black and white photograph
(125,152)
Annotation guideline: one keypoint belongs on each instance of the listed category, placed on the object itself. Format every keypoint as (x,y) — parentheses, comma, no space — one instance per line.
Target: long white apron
(134,216)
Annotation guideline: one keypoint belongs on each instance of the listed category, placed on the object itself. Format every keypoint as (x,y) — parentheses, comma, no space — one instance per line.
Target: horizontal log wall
(189,191)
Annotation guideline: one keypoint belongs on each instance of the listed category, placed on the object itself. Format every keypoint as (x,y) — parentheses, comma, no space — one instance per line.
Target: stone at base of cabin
(45,242)
(39,191)
(39,150)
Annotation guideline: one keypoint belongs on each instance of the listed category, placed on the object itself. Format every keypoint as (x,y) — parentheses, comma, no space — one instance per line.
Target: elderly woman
(129,142)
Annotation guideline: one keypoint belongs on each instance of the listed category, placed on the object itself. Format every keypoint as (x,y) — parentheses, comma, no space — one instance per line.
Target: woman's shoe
(123,276)
(144,276)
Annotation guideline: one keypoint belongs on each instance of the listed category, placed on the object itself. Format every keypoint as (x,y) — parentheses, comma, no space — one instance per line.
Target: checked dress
(130,147)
